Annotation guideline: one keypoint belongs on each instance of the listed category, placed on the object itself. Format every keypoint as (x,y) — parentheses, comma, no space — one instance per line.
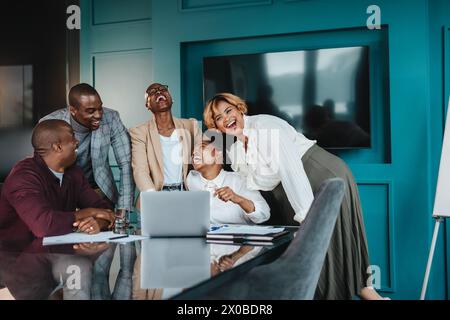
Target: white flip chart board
(442,198)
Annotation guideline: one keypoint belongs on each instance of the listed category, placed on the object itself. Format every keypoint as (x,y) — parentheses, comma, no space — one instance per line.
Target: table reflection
(224,257)
(168,266)
(32,271)
(148,269)
(123,284)
(174,263)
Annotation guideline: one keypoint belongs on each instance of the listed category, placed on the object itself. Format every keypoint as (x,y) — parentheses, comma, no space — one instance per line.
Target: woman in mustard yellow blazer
(162,146)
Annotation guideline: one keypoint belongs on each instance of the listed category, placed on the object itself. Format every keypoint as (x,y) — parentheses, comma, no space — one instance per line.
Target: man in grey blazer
(97,129)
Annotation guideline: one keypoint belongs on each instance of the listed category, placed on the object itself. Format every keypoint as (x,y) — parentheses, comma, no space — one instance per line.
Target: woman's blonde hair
(211,106)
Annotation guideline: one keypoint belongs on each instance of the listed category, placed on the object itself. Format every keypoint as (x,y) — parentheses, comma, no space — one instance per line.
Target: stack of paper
(252,235)
(78,237)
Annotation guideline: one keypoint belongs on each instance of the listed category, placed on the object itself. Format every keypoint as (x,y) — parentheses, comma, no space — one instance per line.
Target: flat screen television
(323,93)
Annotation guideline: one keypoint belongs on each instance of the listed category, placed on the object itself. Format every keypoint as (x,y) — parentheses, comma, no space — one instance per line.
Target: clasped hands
(93,220)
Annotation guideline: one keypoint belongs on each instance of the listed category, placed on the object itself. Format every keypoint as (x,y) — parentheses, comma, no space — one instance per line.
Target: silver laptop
(175,214)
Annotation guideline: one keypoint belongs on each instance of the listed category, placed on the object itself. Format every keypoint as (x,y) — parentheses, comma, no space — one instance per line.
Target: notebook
(240,233)
(242,243)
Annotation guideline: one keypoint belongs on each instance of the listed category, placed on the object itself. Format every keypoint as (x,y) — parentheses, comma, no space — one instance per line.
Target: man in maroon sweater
(41,195)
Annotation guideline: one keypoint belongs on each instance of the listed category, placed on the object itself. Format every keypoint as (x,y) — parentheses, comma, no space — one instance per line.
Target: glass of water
(122,222)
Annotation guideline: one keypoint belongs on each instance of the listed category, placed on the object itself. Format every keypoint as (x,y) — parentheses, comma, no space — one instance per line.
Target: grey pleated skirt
(344,272)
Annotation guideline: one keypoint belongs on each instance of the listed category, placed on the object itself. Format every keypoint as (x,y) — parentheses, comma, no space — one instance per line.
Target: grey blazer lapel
(99,138)
(66,115)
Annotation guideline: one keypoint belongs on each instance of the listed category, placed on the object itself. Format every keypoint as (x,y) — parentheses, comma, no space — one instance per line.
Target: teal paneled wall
(194,5)
(397,189)
(107,11)
(123,77)
(117,54)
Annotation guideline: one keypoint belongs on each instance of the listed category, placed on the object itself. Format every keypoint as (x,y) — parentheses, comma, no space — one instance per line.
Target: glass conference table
(150,269)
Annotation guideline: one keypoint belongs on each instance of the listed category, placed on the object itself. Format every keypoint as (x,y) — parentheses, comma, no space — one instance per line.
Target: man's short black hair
(81,89)
(47,133)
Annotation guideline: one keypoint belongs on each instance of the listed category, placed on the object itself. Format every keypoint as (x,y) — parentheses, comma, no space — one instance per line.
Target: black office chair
(281,212)
(296,273)
(2,286)
(15,145)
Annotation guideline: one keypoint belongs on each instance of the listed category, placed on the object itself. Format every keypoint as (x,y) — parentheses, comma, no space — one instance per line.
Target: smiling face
(228,118)
(89,111)
(204,155)
(69,145)
(158,98)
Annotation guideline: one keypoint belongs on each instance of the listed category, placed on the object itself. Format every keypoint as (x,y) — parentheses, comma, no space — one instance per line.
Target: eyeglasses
(162,88)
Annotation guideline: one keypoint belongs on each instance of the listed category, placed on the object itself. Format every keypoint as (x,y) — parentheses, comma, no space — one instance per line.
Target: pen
(119,237)
(214,228)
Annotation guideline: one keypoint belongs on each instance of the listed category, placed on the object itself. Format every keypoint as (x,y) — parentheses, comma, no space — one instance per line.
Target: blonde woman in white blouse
(269,151)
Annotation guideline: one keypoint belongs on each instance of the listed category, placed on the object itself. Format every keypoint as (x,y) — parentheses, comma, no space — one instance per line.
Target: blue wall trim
(186,6)
(115,12)
(391,231)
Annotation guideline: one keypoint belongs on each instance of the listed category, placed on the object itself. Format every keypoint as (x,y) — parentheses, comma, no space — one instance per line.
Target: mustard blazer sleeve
(139,160)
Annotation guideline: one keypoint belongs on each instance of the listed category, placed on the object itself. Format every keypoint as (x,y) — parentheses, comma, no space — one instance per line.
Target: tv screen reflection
(323,93)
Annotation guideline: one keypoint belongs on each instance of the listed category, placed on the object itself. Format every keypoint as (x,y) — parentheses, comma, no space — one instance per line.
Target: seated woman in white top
(231,200)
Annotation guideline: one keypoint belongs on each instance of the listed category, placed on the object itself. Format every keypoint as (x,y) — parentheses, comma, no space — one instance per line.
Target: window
(16,96)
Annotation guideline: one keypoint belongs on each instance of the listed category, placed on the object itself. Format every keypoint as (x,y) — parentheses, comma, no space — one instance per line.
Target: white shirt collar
(218,181)
(59,175)
(247,125)
(173,137)
(245,131)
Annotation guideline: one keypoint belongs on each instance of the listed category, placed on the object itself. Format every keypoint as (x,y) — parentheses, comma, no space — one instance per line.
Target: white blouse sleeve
(262,210)
(287,159)
(294,180)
